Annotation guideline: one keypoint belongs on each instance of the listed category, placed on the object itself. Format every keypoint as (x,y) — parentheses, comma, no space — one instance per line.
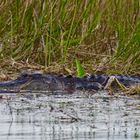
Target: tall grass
(60,31)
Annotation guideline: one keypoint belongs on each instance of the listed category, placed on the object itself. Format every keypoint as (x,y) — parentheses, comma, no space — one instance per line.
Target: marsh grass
(49,32)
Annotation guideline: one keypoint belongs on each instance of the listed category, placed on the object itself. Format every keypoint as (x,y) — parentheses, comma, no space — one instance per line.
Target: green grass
(80,69)
(103,35)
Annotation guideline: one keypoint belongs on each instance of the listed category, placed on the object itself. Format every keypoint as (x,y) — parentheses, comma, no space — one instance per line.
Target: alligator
(38,82)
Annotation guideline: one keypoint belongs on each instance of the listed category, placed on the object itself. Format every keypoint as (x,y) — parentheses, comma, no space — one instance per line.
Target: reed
(50,32)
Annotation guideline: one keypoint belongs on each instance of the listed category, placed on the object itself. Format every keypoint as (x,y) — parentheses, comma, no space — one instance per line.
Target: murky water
(73,117)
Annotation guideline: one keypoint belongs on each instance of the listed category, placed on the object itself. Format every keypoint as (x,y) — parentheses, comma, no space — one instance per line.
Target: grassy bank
(51,34)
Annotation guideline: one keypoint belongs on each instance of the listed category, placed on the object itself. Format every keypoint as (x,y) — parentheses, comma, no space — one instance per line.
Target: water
(71,117)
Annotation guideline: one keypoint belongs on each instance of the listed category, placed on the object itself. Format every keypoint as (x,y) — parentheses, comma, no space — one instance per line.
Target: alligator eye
(23,76)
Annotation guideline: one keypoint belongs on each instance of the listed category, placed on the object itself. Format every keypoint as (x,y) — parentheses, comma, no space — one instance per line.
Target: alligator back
(127,80)
(52,82)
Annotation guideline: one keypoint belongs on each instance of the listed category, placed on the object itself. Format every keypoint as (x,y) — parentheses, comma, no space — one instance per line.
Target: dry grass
(133,90)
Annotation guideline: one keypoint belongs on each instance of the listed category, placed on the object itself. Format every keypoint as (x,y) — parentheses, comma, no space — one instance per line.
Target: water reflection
(73,117)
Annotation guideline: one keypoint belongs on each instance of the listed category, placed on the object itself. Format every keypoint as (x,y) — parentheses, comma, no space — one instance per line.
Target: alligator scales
(52,82)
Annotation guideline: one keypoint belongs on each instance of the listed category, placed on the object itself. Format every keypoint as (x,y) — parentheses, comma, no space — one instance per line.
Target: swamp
(89,50)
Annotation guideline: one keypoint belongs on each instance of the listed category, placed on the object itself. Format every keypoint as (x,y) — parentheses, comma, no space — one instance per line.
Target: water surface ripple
(73,117)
